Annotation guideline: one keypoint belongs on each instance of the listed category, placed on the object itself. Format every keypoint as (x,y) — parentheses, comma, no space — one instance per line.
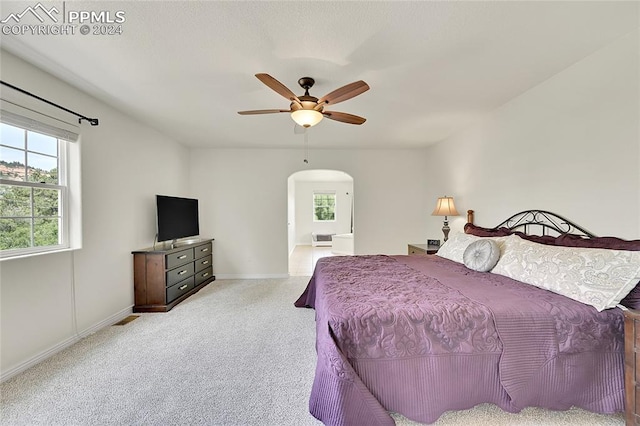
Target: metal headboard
(547,220)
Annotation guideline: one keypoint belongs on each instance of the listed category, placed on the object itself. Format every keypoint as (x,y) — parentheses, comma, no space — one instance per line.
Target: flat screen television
(177,217)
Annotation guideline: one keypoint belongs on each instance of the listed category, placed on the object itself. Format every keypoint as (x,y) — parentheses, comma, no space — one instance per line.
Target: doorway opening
(320,218)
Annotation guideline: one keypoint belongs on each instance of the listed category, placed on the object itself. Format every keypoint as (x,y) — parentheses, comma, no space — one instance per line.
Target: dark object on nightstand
(422,249)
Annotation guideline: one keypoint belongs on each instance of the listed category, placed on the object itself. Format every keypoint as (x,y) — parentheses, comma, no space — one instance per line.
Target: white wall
(291,214)
(48,301)
(570,145)
(304,209)
(244,198)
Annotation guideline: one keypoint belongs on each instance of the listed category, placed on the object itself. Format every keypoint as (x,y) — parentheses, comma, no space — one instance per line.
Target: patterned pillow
(481,255)
(597,277)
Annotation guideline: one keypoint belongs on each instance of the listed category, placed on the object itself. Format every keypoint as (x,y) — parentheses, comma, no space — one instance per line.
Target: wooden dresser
(632,367)
(162,278)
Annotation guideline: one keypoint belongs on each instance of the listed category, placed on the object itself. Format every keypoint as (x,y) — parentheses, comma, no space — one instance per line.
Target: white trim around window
(47,212)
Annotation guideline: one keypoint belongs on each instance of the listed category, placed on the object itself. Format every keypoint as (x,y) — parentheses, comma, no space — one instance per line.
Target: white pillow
(597,277)
(481,255)
(454,247)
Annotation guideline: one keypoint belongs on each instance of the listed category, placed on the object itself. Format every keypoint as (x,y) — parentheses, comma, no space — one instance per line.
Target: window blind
(26,118)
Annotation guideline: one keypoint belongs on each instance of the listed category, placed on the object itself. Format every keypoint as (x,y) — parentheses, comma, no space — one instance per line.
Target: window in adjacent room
(324,206)
(34,190)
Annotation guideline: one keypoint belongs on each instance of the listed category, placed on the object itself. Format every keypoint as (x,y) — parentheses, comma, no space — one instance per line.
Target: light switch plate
(433,242)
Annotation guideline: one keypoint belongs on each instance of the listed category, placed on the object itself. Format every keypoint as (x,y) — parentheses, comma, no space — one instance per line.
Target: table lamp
(445,207)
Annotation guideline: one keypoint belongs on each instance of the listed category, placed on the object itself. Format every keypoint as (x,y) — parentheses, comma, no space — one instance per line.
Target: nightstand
(632,365)
(422,249)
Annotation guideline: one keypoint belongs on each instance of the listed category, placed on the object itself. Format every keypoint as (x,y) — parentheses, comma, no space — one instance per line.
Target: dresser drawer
(203,263)
(179,289)
(203,250)
(204,275)
(180,273)
(179,258)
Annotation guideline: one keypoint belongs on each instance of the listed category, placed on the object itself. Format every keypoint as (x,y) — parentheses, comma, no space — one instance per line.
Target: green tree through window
(324,206)
(31,191)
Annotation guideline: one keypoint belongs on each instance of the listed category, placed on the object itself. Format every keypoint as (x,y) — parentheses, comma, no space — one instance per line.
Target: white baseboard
(106,322)
(6,375)
(249,277)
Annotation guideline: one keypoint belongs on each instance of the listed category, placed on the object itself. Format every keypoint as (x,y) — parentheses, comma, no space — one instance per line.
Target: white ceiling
(434,67)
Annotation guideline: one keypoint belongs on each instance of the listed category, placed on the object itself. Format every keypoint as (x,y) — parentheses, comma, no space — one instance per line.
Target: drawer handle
(206,262)
(182,287)
(205,274)
(184,256)
(205,249)
(182,272)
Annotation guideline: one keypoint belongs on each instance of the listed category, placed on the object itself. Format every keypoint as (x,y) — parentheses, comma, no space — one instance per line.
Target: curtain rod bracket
(92,121)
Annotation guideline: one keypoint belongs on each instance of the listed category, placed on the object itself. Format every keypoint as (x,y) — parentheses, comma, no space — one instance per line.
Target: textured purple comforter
(421,335)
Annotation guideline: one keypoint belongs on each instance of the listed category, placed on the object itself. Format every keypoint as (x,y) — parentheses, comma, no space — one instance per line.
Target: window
(324,206)
(33,189)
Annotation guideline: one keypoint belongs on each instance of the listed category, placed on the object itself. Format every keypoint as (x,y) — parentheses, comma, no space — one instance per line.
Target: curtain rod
(92,121)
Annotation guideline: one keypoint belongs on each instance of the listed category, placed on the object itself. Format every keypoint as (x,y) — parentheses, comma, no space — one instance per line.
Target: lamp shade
(445,207)
(306,117)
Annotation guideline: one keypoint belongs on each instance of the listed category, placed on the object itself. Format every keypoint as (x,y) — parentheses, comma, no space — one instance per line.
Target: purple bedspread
(421,335)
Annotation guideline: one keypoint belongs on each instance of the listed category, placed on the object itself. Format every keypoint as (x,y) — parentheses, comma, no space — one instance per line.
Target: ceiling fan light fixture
(306,117)
(307,110)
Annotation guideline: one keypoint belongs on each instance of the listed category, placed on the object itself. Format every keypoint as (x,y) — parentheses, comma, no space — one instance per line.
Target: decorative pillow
(540,239)
(479,231)
(569,240)
(598,277)
(481,255)
(454,247)
(631,300)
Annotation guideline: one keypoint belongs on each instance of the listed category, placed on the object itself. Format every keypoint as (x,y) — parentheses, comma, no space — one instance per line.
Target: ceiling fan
(307,110)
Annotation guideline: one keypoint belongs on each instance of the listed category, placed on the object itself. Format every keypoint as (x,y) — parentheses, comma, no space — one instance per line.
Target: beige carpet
(236,353)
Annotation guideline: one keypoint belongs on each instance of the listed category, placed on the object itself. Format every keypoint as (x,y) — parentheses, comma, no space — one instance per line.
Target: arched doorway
(319,217)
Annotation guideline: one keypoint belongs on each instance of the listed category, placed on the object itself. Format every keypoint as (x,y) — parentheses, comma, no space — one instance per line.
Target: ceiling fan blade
(344,117)
(263,111)
(278,87)
(344,93)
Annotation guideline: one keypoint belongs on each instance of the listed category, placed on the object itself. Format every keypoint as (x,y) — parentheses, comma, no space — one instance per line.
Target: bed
(421,335)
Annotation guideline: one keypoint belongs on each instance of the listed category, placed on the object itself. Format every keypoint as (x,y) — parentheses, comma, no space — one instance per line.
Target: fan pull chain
(306,146)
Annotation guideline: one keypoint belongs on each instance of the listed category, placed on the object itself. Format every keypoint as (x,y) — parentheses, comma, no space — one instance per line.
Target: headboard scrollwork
(550,222)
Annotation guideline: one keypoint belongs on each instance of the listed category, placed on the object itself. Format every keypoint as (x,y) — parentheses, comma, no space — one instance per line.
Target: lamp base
(446,229)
